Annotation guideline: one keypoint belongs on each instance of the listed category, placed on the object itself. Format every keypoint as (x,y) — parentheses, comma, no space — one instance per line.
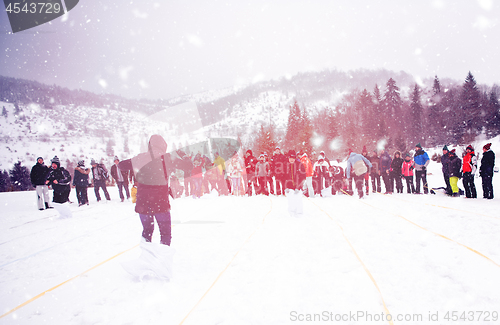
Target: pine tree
(265,141)
(379,120)
(416,116)
(470,104)
(20,177)
(4,112)
(392,107)
(493,114)
(5,184)
(435,123)
(367,114)
(305,133)
(17,109)
(293,127)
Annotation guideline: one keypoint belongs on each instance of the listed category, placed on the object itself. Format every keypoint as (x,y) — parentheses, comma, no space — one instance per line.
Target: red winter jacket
(407,168)
(470,162)
(308,166)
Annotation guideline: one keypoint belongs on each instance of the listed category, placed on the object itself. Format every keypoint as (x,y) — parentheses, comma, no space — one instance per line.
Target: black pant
(100,184)
(280,186)
(375,182)
(399,183)
(81,195)
(421,175)
(487,187)
(448,186)
(359,180)
(409,185)
(387,182)
(470,187)
(262,185)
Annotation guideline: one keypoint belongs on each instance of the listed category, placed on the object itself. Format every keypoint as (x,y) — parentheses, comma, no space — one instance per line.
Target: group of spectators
(60,179)
(267,175)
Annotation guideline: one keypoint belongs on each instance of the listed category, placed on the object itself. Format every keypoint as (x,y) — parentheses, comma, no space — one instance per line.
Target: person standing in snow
(60,180)
(385,170)
(81,182)
(121,179)
(278,169)
(152,170)
(186,167)
(357,167)
(38,177)
(99,176)
(235,171)
(262,170)
(220,165)
(321,173)
(454,168)
(396,165)
(407,172)
(196,178)
(309,174)
(486,171)
(469,170)
(250,163)
(375,172)
(445,158)
(421,162)
(367,175)
(295,176)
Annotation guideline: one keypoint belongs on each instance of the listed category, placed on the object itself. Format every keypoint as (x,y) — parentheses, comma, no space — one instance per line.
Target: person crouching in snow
(357,167)
(60,180)
(294,178)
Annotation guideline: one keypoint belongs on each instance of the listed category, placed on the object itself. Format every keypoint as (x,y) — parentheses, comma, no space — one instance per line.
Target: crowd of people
(272,174)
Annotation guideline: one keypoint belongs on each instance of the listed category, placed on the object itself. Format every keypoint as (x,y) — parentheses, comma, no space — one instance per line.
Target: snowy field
(423,259)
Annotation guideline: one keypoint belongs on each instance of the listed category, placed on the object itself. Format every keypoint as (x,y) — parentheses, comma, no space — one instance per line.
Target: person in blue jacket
(421,160)
(357,167)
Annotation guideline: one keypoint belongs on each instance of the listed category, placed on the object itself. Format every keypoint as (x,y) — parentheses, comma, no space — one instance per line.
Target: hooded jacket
(307,165)
(487,164)
(151,170)
(470,163)
(39,174)
(357,165)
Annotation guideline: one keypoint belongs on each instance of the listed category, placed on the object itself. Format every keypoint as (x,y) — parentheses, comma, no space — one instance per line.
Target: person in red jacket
(469,170)
(309,174)
(407,172)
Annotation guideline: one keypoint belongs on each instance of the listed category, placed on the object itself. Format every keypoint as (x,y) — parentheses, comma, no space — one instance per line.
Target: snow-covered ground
(246,261)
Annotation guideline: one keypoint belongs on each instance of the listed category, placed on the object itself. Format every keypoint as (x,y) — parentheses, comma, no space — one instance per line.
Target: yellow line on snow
(360,261)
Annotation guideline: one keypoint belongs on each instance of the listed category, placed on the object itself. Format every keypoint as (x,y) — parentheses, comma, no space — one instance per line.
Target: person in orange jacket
(309,174)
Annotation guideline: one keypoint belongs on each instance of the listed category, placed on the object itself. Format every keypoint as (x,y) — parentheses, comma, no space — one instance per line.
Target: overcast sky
(162,49)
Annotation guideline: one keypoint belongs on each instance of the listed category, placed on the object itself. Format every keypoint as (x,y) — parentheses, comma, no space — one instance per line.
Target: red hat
(469,147)
(487,146)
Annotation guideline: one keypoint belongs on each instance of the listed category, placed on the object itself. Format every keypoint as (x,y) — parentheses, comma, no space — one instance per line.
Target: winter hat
(407,155)
(292,154)
(262,156)
(250,152)
(116,158)
(277,148)
(469,147)
(304,155)
(39,158)
(418,145)
(81,163)
(321,157)
(56,161)
(92,161)
(487,146)
(445,148)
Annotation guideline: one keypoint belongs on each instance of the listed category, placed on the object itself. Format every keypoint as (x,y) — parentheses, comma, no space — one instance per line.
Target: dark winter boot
(47,206)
